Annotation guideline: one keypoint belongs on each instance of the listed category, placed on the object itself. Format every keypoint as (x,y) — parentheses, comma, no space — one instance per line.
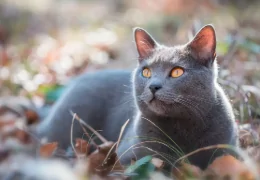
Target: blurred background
(45,43)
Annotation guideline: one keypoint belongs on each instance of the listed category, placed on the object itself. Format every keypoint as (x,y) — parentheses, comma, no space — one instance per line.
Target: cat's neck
(187,120)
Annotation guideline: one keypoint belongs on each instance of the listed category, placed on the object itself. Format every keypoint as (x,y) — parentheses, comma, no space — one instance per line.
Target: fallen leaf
(6,123)
(141,168)
(31,117)
(97,163)
(48,149)
(228,166)
(15,132)
(23,136)
(158,163)
(82,146)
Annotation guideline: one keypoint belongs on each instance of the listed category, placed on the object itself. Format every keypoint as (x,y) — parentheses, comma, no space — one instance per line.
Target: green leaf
(53,94)
(141,169)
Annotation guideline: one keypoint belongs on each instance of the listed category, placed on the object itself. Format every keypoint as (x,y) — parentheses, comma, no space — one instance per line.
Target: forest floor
(42,49)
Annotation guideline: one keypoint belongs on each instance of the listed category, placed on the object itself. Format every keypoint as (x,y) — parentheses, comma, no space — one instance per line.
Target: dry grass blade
(121,133)
(117,143)
(140,143)
(87,134)
(187,170)
(89,127)
(203,149)
(156,153)
(179,152)
(109,152)
(71,135)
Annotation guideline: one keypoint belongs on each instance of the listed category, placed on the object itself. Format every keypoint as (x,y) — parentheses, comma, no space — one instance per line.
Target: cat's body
(171,98)
(109,109)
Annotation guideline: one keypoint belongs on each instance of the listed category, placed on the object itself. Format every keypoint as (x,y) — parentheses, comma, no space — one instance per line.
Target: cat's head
(175,80)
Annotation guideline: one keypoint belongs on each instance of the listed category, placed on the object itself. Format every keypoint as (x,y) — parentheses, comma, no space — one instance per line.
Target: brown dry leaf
(82,146)
(228,166)
(6,123)
(17,133)
(158,163)
(96,164)
(23,136)
(48,149)
(31,117)
(187,170)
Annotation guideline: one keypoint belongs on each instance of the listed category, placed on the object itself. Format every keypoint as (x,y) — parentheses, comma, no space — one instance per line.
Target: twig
(89,127)
(109,152)
(87,134)
(117,143)
(71,135)
(121,133)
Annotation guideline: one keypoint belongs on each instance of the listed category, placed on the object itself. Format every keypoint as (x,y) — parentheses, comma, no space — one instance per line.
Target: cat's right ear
(203,46)
(145,44)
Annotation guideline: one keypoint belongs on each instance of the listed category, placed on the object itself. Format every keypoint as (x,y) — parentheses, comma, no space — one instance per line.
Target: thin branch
(71,135)
(89,127)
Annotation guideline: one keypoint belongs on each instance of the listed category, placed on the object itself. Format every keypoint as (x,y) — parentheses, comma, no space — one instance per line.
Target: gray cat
(172,99)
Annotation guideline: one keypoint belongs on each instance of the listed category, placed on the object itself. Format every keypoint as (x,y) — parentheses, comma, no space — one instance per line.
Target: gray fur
(192,109)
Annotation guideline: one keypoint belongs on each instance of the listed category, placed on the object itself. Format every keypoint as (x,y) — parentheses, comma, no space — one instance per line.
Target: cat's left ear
(145,44)
(203,46)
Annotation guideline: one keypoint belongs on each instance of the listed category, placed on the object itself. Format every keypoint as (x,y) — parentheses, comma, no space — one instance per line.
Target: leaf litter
(23,156)
(100,162)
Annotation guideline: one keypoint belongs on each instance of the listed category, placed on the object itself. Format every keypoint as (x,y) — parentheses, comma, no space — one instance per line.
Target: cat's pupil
(146,72)
(177,72)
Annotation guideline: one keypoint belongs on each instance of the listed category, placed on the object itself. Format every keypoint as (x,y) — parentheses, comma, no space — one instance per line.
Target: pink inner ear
(145,44)
(204,44)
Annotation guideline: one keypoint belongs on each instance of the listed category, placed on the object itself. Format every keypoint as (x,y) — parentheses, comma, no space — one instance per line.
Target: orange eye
(177,72)
(147,72)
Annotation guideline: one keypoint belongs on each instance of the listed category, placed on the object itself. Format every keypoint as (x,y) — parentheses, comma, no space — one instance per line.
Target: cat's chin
(159,107)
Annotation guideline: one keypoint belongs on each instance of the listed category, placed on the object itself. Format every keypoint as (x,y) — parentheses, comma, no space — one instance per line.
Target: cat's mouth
(156,99)
(158,105)
(152,99)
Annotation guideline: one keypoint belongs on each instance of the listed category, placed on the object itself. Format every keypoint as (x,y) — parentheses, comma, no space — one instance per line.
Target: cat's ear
(145,44)
(203,45)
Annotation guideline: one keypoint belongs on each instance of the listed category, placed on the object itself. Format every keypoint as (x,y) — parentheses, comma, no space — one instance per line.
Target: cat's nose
(155,87)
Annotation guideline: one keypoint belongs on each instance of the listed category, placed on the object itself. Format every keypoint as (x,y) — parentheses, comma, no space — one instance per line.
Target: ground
(44,45)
